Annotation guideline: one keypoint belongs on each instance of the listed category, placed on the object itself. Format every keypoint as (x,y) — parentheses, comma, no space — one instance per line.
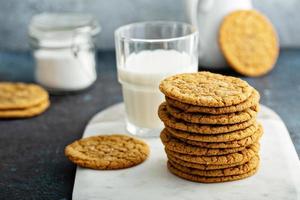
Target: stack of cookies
(21,100)
(211,133)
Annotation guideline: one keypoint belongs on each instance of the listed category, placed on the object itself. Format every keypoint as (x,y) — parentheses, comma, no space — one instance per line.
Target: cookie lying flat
(249,42)
(178,146)
(231,144)
(21,95)
(204,166)
(172,122)
(250,102)
(204,179)
(237,170)
(232,158)
(107,152)
(201,118)
(206,89)
(226,137)
(27,112)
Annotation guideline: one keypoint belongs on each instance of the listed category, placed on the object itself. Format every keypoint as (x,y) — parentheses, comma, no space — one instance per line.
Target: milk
(140,76)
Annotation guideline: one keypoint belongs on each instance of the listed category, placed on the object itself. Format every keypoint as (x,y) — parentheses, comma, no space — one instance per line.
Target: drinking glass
(146,53)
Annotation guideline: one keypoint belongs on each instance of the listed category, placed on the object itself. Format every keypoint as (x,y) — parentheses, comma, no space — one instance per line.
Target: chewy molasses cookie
(225,137)
(202,118)
(204,166)
(231,144)
(172,122)
(27,112)
(249,42)
(178,146)
(21,95)
(251,102)
(206,89)
(107,152)
(205,179)
(236,170)
(231,158)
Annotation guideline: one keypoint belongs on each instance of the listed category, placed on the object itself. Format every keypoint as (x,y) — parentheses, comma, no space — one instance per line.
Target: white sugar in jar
(64,51)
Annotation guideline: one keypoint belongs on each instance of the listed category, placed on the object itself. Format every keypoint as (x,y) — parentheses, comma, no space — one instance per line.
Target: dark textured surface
(33,165)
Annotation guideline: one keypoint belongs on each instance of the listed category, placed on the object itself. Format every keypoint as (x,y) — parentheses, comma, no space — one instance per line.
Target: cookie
(178,146)
(240,169)
(107,152)
(204,166)
(231,144)
(21,95)
(27,112)
(251,102)
(205,179)
(202,118)
(225,137)
(232,158)
(206,89)
(172,122)
(249,42)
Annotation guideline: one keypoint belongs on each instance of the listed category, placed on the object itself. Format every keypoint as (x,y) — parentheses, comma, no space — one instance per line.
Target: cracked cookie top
(107,152)
(206,89)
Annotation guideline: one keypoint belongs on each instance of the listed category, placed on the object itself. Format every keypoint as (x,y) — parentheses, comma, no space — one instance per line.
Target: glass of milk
(146,53)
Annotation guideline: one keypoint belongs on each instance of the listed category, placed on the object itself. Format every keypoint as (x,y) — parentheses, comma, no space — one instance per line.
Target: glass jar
(64,50)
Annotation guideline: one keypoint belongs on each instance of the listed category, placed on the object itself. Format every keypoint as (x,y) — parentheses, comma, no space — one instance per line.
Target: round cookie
(178,146)
(232,158)
(231,144)
(202,118)
(225,137)
(206,89)
(204,166)
(240,169)
(21,95)
(204,179)
(107,152)
(172,122)
(251,102)
(27,112)
(249,42)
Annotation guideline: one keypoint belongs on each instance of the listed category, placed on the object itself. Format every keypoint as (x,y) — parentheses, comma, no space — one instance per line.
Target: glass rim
(117,32)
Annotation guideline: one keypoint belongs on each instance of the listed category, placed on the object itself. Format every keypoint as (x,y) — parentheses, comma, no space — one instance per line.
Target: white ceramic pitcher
(207,16)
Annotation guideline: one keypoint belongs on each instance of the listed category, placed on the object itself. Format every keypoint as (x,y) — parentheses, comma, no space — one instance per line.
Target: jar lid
(61,28)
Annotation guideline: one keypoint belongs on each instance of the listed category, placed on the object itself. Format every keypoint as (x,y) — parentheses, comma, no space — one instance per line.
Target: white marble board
(277,179)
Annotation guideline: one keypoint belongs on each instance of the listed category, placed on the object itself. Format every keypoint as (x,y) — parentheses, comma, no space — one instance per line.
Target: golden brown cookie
(205,179)
(231,144)
(172,122)
(204,166)
(178,146)
(27,112)
(202,118)
(249,42)
(225,137)
(206,89)
(107,152)
(240,169)
(251,102)
(21,95)
(232,158)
